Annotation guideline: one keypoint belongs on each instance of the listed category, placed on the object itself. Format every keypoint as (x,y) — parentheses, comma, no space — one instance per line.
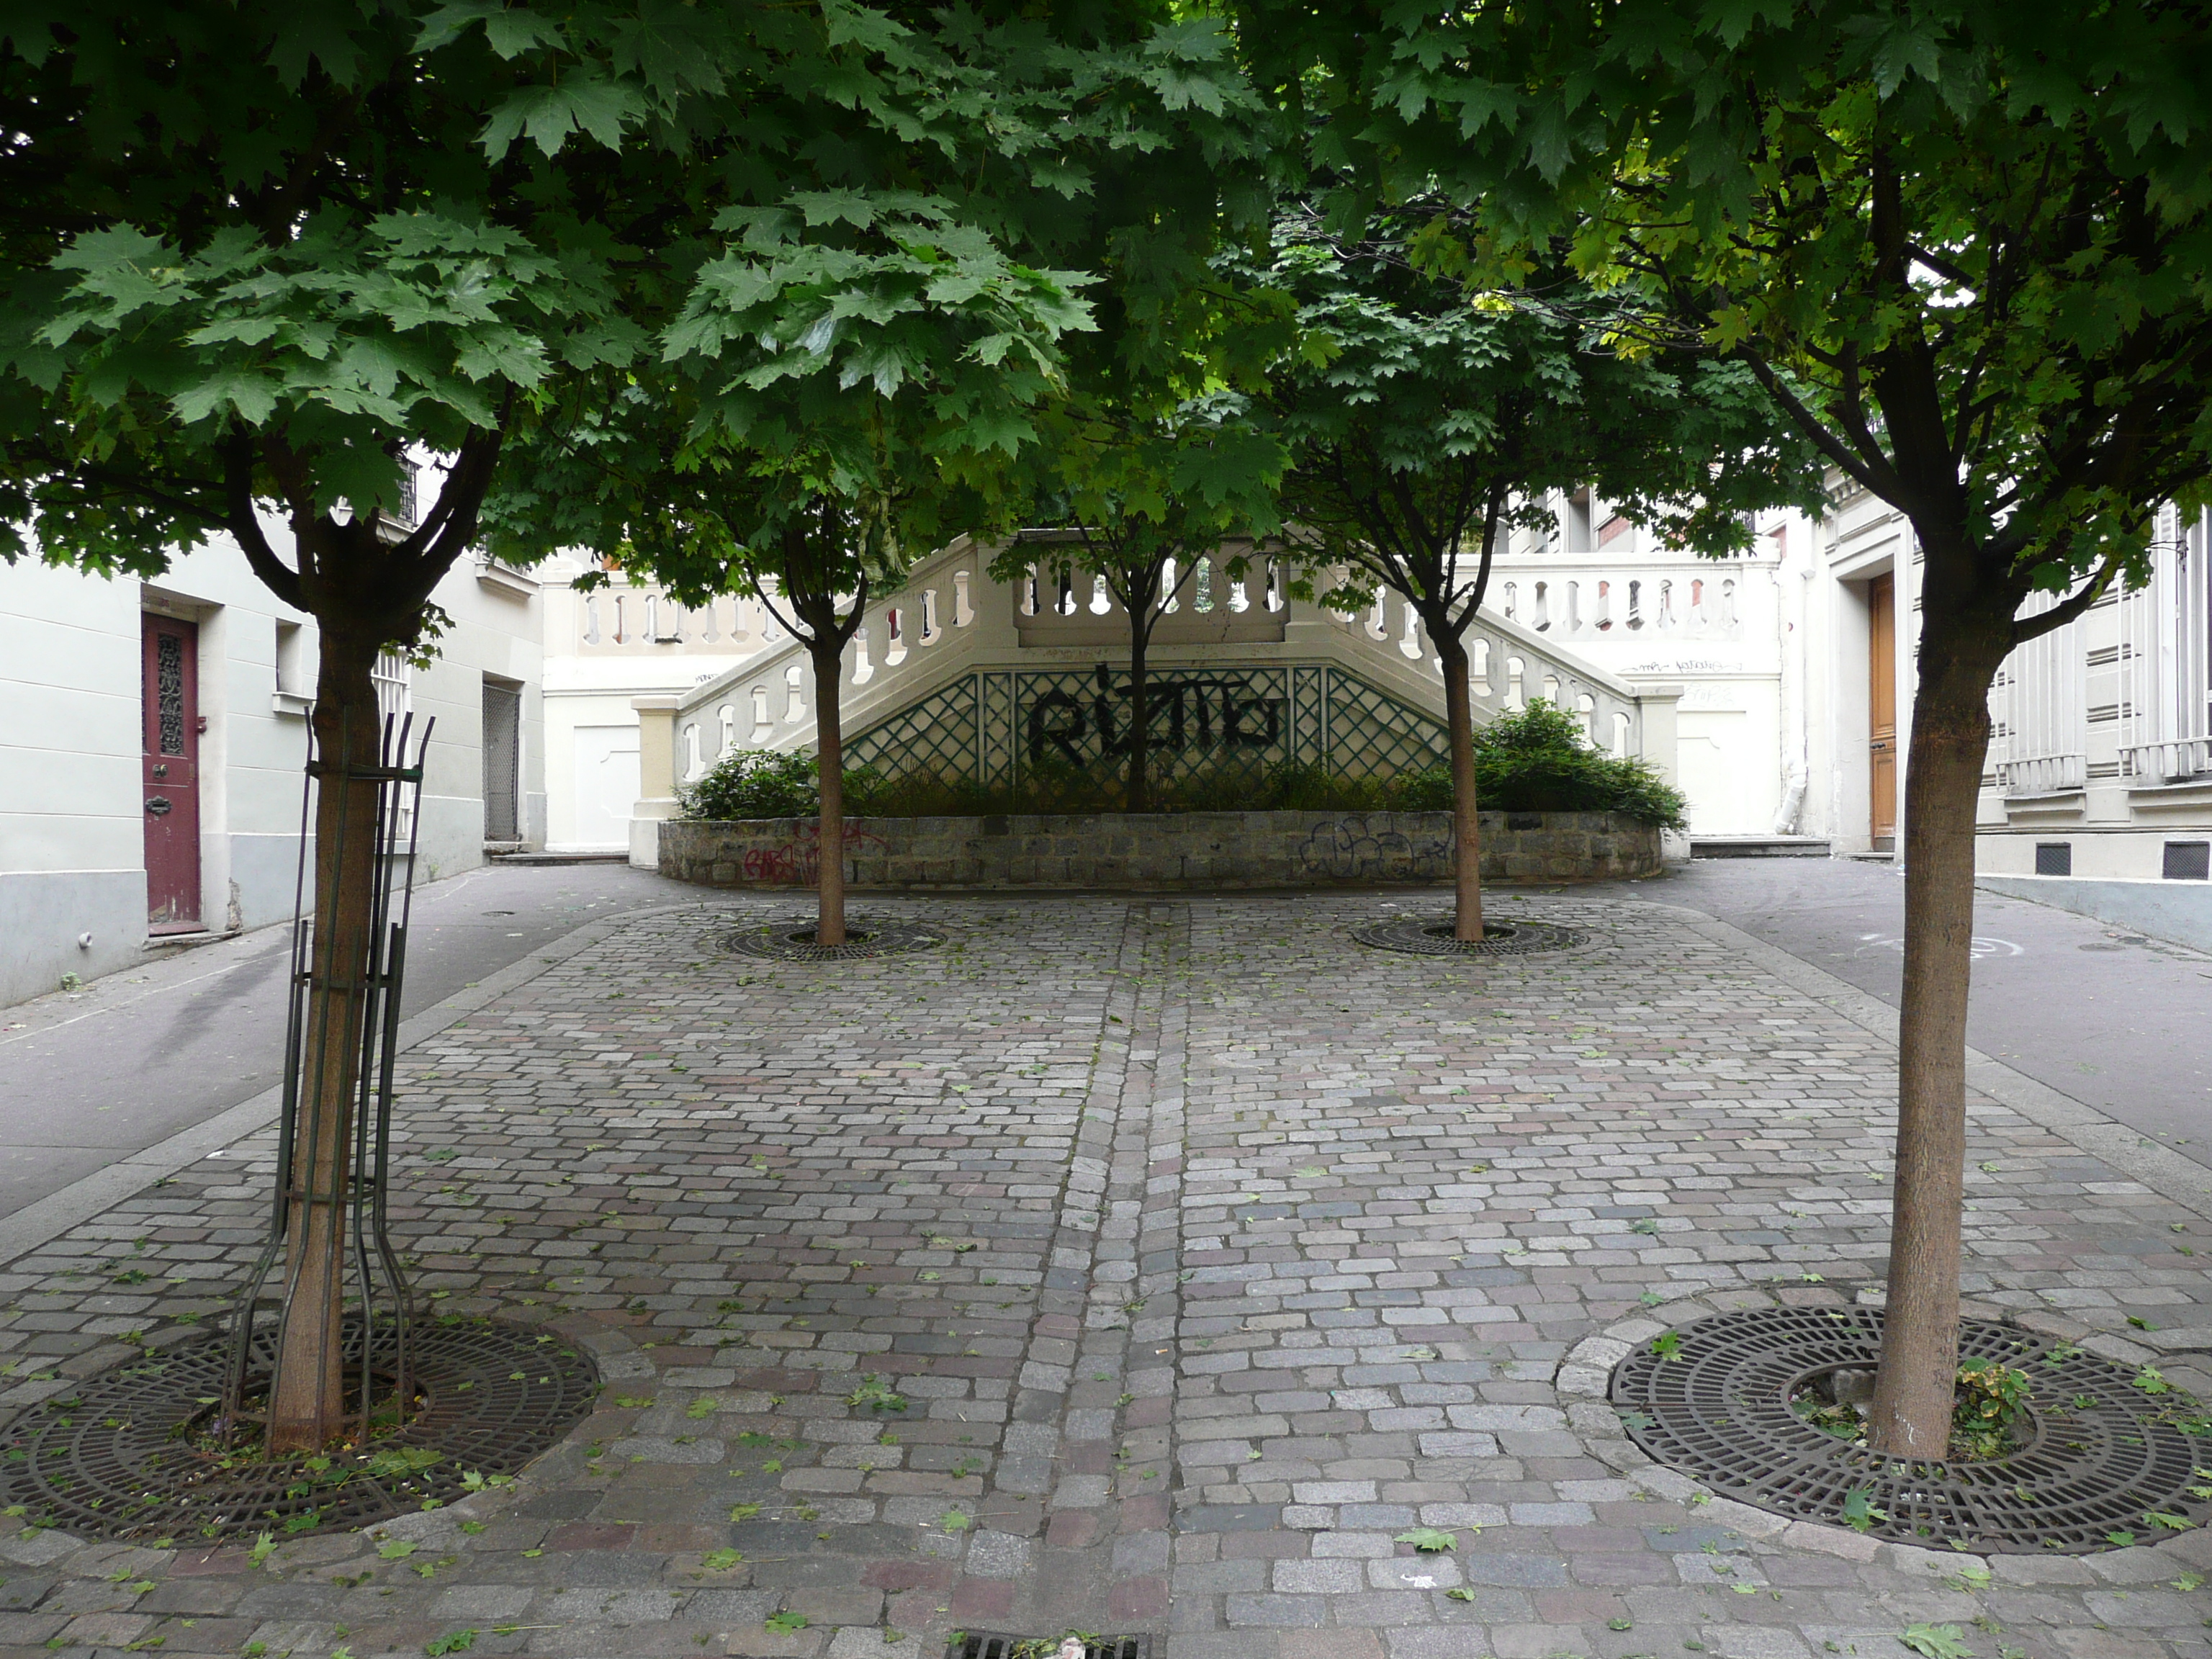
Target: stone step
(556,858)
(1759,847)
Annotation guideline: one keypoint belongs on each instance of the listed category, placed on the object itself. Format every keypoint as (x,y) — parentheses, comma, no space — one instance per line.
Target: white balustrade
(906,640)
(2173,762)
(2043,775)
(649,621)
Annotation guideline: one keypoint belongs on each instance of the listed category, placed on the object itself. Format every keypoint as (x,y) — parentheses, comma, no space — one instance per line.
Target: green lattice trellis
(998,727)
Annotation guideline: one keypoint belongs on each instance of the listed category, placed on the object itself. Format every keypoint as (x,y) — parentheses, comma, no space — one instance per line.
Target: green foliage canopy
(1423,425)
(1965,243)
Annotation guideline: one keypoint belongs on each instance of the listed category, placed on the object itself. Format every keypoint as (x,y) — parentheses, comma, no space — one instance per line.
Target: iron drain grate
(2103,1458)
(107,1460)
(793,940)
(1431,936)
(992,1644)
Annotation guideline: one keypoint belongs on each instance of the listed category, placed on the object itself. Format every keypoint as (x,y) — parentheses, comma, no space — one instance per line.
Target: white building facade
(2099,795)
(154,734)
(607,650)
(1729,632)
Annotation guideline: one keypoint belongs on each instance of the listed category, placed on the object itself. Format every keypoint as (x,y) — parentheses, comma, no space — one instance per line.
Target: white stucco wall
(72,849)
(1727,652)
(598,658)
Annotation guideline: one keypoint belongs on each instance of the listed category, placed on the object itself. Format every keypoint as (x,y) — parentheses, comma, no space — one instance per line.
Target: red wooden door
(172,777)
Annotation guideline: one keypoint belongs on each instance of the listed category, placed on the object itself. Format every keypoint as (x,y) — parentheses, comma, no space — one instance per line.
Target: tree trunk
(828,667)
(1467,835)
(1140,722)
(307,1405)
(1910,1416)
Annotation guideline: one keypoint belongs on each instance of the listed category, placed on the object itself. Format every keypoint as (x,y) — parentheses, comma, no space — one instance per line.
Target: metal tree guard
(375,1343)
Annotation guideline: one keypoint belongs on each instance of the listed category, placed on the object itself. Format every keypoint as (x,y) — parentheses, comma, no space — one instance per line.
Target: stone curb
(50,1216)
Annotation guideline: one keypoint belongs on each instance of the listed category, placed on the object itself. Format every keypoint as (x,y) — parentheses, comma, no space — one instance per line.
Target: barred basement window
(2189,860)
(2054,858)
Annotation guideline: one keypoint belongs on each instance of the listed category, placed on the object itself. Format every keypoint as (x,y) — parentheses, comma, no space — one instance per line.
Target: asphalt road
(2117,1020)
(134,1057)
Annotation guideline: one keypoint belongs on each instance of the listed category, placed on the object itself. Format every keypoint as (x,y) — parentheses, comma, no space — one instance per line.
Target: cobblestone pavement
(1209,1250)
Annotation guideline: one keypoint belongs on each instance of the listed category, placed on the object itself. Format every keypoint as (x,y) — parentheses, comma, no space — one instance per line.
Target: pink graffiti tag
(797,862)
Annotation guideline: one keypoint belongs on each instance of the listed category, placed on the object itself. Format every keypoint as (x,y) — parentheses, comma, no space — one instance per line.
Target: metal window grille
(2042,710)
(2188,861)
(394,682)
(2054,858)
(393,678)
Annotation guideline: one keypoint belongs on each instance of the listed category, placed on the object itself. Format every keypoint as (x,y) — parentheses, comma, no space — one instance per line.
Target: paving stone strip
(1208,1251)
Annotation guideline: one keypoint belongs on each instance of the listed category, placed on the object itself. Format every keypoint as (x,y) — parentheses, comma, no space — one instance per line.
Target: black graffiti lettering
(1202,712)
(1205,707)
(1063,737)
(1102,706)
(1232,721)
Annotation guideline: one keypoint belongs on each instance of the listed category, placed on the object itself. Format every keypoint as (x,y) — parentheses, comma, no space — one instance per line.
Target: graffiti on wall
(796,861)
(1187,711)
(995,725)
(1356,847)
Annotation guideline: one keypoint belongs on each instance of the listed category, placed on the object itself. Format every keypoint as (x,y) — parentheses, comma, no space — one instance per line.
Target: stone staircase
(974,672)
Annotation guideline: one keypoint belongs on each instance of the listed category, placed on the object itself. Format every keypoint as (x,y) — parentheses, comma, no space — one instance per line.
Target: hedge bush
(1534,761)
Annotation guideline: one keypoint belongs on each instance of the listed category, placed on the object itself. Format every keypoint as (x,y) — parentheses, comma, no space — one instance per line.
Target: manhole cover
(793,940)
(990,1644)
(1431,936)
(2101,1460)
(111,1459)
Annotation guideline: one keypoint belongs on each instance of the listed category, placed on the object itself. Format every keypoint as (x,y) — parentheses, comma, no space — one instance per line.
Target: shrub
(752,783)
(1536,761)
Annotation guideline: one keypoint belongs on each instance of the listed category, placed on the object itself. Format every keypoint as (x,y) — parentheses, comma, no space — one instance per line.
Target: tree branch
(1810,424)
(2025,629)
(243,523)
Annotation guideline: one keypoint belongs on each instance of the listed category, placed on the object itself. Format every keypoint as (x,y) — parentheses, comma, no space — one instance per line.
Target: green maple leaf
(1428,1538)
(1936,1641)
(1859,1512)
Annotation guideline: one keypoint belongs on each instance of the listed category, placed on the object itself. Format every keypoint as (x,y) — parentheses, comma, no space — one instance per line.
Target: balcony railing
(2043,775)
(2175,760)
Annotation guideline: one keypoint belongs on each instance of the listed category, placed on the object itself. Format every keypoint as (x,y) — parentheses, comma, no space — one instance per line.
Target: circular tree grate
(2100,1459)
(791,941)
(1431,936)
(115,1457)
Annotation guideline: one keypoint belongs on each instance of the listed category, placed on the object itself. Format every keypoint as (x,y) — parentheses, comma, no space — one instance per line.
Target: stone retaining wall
(1182,849)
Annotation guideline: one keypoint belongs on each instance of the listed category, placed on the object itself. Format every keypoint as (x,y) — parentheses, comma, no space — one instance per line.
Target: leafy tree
(254,253)
(850,384)
(1966,244)
(1423,429)
(1145,497)
(837,393)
